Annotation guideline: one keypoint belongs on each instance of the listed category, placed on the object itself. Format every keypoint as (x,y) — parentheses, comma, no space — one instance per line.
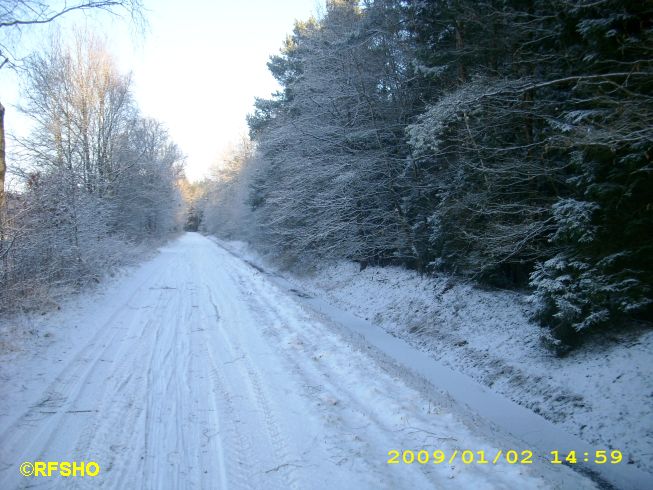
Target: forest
(508,142)
(95,176)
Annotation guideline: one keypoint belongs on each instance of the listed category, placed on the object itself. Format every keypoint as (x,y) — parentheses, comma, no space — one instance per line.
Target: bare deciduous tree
(97,174)
(17,15)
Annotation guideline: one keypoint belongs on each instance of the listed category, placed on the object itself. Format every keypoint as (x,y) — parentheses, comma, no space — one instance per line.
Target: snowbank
(602,393)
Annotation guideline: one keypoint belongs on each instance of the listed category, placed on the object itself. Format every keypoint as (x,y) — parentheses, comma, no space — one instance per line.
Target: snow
(602,393)
(194,370)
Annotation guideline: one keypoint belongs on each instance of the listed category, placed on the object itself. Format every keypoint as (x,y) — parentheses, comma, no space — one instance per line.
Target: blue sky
(197,68)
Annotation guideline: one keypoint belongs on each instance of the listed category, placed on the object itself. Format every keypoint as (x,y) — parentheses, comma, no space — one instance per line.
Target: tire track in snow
(311,374)
(113,438)
(382,431)
(167,461)
(279,447)
(266,311)
(237,447)
(59,403)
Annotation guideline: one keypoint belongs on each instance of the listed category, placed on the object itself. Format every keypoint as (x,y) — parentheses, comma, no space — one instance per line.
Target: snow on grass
(602,392)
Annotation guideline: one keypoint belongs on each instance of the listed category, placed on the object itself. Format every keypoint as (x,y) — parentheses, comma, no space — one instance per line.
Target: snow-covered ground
(195,371)
(602,393)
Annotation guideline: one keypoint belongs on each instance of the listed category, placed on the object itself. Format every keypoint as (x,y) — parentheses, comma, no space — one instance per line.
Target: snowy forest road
(196,371)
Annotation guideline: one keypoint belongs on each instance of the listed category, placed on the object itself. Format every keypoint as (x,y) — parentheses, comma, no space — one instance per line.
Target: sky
(196,68)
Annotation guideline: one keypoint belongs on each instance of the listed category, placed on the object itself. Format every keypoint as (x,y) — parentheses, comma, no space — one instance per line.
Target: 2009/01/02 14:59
(511,456)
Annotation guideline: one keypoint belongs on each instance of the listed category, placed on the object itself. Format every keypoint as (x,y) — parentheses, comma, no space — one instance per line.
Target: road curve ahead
(195,371)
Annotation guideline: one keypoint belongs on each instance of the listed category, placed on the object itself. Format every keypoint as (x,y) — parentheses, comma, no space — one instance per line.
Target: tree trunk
(460,46)
(3,166)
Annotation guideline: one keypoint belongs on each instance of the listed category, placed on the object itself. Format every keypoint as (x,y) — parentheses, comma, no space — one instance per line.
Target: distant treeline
(510,141)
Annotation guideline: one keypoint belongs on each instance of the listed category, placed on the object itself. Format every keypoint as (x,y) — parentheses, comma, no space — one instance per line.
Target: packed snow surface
(196,371)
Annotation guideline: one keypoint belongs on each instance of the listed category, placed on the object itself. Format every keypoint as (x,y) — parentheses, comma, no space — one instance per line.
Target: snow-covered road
(196,371)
